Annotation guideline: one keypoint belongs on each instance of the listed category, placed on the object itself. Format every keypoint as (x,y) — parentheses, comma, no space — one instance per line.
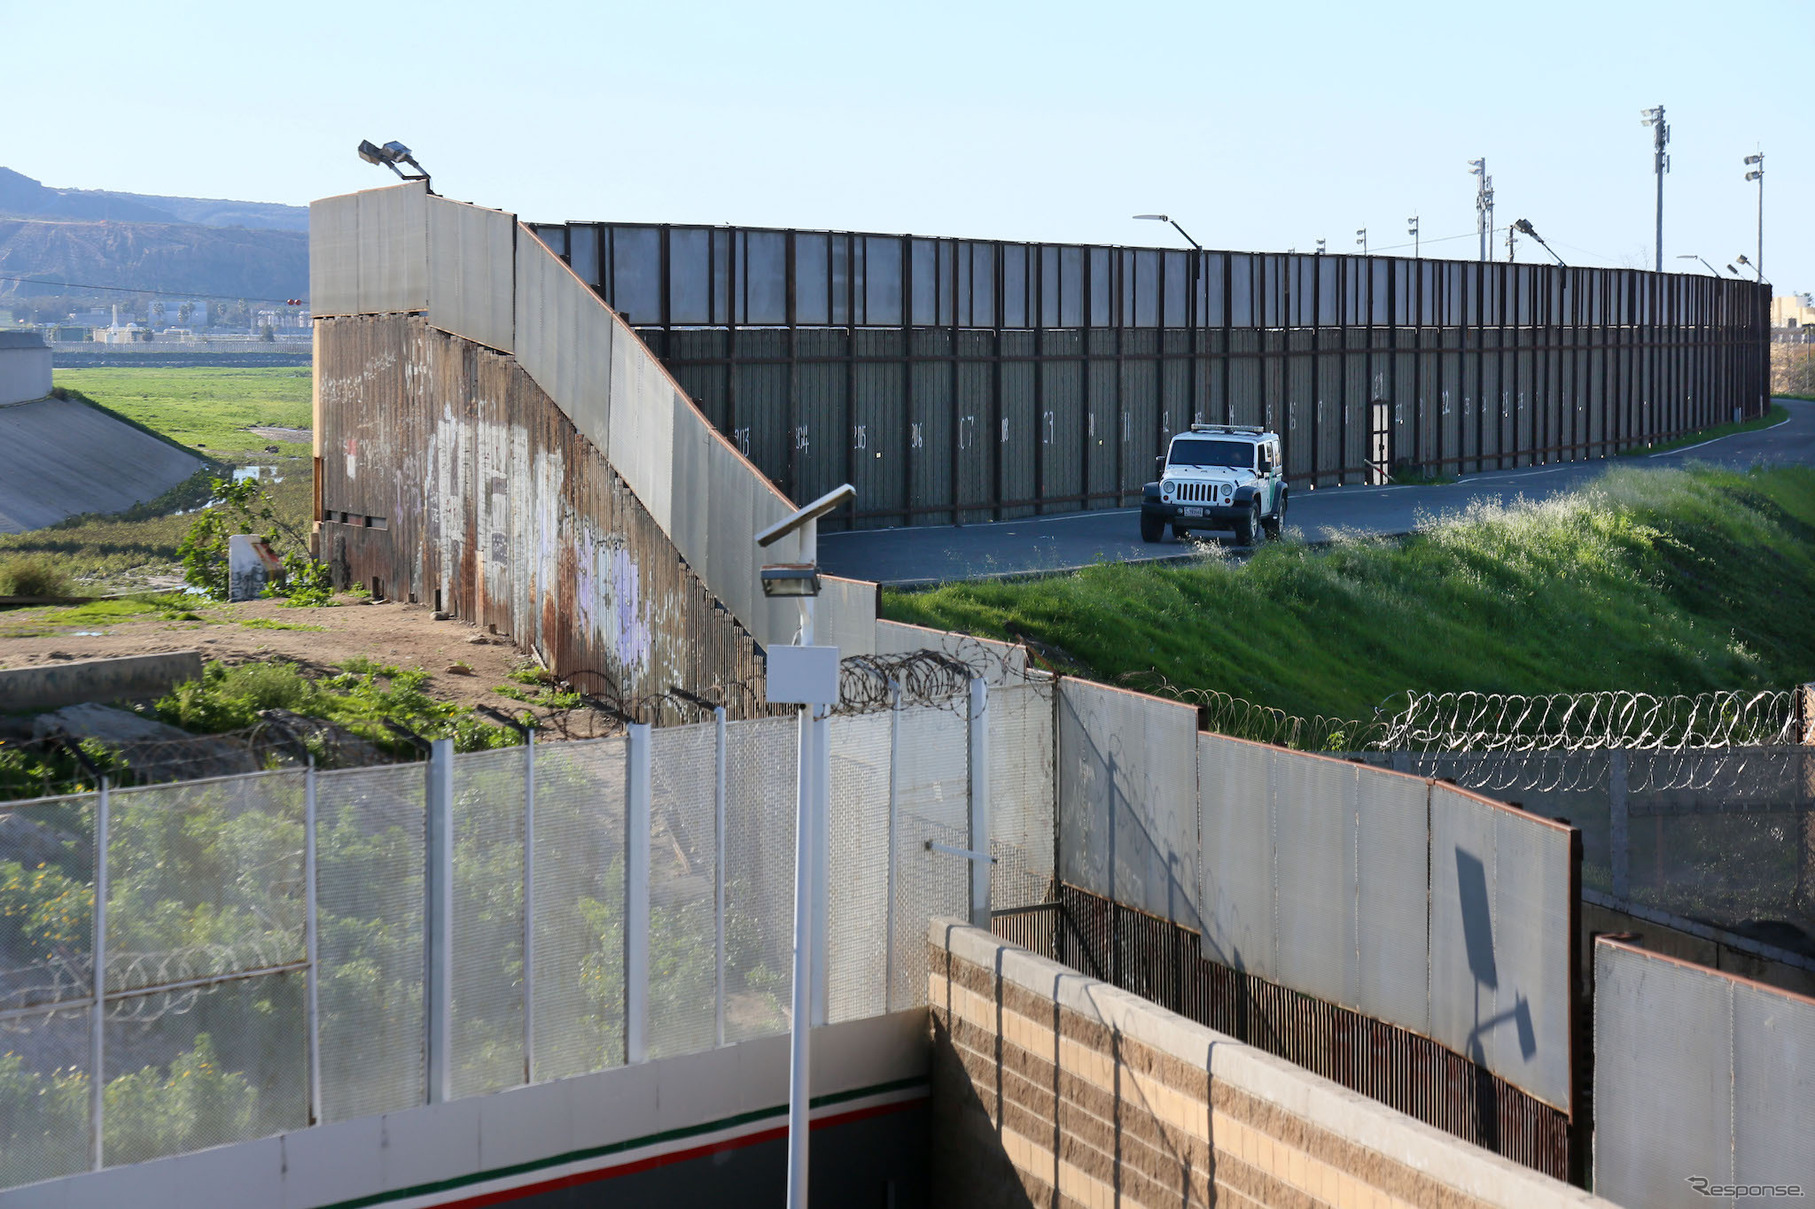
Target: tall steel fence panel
(762,756)
(1664,1097)
(488,975)
(1501,939)
(369,898)
(933,807)
(857,949)
(1127,795)
(578,923)
(1022,793)
(1235,781)
(47,856)
(683,873)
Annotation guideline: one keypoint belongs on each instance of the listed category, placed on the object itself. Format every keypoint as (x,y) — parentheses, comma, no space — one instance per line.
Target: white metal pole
(979,795)
(801,1008)
(438,921)
(529,905)
(97,1056)
(888,957)
(636,898)
(718,866)
(312,943)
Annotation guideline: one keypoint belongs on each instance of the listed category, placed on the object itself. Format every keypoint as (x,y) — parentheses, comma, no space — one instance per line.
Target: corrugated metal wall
(452,478)
(965,380)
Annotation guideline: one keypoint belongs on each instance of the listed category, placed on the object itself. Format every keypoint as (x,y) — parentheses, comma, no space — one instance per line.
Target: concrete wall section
(1050,1087)
(472,273)
(24,367)
(129,678)
(369,252)
(61,457)
(691,1117)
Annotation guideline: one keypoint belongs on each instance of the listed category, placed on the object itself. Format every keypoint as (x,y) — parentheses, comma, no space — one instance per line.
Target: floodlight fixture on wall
(1693,256)
(390,155)
(1524,227)
(1175,227)
(790,579)
(1741,258)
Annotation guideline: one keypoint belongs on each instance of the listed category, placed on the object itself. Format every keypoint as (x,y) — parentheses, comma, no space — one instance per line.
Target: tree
(185,312)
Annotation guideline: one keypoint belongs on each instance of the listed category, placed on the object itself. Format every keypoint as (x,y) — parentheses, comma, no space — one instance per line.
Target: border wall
(1054,1088)
(1699,1075)
(957,380)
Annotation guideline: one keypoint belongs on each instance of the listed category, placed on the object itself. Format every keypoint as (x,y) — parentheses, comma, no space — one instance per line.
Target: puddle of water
(88,633)
(265,474)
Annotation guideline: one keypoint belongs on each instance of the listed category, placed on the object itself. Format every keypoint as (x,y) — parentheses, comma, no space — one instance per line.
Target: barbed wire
(1593,721)
(142,986)
(1239,718)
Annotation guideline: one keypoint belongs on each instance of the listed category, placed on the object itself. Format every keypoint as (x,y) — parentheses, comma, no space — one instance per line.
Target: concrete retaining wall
(60,457)
(24,367)
(706,1128)
(1052,1087)
(128,678)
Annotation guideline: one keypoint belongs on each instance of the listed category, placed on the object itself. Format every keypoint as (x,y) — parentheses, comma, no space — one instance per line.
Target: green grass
(1777,415)
(207,407)
(97,614)
(1662,581)
(265,623)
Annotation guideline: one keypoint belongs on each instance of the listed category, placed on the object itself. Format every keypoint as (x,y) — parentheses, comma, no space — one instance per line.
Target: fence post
(822,861)
(718,868)
(888,942)
(529,904)
(438,919)
(1618,824)
(312,943)
(97,1016)
(979,801)
(636,896)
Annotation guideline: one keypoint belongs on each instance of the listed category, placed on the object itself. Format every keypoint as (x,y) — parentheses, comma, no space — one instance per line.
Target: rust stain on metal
(474,490)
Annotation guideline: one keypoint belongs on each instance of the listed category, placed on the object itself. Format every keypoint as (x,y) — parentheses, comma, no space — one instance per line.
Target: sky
(1259,127)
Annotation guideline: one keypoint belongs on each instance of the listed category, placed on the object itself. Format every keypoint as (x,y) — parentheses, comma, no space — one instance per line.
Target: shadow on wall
(1478,940)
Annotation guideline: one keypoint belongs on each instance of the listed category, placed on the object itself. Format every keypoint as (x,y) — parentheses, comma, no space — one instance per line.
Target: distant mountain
(158,245)
(23,197)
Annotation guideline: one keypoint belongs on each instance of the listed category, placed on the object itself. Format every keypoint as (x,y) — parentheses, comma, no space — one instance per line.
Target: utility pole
(1654,118)
(1484,203)
(1758,174)
(1411,228)
(1511,230)
(1361,239)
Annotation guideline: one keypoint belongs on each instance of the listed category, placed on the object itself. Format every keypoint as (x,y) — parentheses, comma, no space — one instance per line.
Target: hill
(23,197)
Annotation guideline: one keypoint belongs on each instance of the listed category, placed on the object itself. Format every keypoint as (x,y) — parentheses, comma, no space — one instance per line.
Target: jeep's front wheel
(1152,528)
(1248,526)
(1273,524)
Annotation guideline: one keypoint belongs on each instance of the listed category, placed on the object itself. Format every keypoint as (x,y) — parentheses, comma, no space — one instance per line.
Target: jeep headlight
(1166,488)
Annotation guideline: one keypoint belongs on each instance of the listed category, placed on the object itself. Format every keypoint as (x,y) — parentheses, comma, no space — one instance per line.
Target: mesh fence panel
(1022,800)
(579,907)
(204,878)
(761,758)
(223,1064)
(51,957)
(932,789)
(683,870)
(487,1009)
(43,1096)
(369,864)
(858,895)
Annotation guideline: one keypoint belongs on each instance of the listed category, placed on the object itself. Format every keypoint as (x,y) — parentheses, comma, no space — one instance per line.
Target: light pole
(1758,174)
(1693,256)
(1654,118)
(1361,239)
(1484,203)
(1175,227)
(1750,264)
(1411,228)
(805,675)
(1524,227)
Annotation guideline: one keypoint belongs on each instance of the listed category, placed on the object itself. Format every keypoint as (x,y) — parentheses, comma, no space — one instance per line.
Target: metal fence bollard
(636,895)
(979,802)
(438,921)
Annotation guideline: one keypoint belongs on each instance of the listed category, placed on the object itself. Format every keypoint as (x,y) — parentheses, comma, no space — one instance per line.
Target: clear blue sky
(1257,126)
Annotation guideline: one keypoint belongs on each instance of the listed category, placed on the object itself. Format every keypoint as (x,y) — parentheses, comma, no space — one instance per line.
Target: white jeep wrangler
(1218,476)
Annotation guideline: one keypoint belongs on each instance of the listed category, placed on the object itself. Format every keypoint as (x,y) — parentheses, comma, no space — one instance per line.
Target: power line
(126,289)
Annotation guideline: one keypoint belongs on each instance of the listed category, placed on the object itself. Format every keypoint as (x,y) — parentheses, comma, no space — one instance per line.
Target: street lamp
(1741,258)
(1524,227)
(1175,227)
(1411,228)
(390,155)
(1654,118)
(805,675)
(1758,174)
(1693,256)
(1361,239)
(1320,245)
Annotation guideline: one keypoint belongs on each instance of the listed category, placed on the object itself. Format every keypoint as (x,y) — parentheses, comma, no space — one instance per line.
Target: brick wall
(1051,1088)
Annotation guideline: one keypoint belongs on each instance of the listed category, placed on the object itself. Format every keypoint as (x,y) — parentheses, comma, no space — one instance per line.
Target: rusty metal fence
(955,380)
(1163,962)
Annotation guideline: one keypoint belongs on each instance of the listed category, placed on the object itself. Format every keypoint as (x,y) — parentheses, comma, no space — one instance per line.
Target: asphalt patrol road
(938,553)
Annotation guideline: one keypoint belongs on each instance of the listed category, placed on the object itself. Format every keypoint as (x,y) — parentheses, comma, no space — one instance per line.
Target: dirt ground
(403,635)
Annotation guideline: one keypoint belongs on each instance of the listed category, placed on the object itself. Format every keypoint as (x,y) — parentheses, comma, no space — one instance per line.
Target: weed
(33,575)
(265,623)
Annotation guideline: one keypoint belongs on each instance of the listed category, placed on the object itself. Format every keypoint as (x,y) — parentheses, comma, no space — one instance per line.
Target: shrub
(33,575)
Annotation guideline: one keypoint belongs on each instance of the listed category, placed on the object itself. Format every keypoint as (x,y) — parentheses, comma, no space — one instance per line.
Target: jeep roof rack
(1251,430)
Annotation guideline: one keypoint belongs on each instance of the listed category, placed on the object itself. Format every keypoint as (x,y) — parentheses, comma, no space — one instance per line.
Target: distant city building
(1792,310)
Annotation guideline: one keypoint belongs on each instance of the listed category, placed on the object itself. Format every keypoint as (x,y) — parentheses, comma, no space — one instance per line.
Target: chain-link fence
(269,943)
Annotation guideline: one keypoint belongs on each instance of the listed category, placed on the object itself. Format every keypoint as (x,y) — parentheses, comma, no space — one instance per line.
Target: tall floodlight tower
(1758,174)
(1484,203)
(1654,118)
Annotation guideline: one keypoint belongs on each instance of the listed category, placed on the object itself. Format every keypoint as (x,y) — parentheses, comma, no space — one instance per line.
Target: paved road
(1051,543)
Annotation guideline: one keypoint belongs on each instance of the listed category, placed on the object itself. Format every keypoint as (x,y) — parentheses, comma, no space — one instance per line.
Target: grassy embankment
(1663,581)
(1775,416)
(205,409)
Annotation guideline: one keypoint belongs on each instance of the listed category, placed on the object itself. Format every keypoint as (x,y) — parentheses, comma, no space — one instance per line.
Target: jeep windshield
(1201,451)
